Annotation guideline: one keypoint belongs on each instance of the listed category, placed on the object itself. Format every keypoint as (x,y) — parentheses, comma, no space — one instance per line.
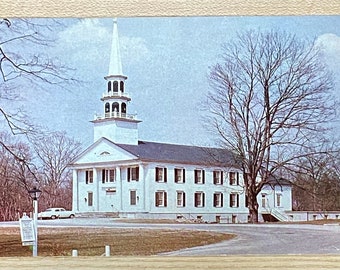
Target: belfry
(116,124)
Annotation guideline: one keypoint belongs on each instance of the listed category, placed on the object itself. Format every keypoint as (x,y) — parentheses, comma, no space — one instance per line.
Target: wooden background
(129,8)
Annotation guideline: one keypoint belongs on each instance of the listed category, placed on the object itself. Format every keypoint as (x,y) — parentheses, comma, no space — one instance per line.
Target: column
(119,188)
(75,192)
(141,195)
(96,189)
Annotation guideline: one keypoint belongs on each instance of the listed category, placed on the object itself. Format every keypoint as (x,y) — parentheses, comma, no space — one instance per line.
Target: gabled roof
(174,153)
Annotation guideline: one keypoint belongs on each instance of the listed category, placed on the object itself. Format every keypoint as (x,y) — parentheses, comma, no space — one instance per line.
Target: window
(124,109)
(218,177)
(179,175)
(133,197)
(199,199)
(180,198)
(161,174)
(89,176)
(133,174)
(160,199)
(90,199)
(122,86)
(218,199)
(234,200)
(263,200)
(199,176)
(234,178)
(107,107)
(278,200)
(115,86)
(115,107)
(108,176)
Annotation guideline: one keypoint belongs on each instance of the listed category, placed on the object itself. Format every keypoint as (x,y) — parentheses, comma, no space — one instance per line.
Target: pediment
(103,151)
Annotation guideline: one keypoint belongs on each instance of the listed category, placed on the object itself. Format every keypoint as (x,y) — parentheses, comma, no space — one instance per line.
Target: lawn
(92,241)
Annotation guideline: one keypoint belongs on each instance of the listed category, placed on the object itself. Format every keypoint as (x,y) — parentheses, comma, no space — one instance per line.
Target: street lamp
(35,194)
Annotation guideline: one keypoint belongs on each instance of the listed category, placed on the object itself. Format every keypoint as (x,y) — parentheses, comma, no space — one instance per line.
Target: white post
(35,221)
(107,251)
(74,253)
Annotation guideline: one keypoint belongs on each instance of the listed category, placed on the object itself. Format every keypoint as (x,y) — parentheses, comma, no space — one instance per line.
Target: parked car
(54,213)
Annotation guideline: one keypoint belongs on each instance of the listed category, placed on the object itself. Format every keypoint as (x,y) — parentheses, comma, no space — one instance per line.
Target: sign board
(27,230)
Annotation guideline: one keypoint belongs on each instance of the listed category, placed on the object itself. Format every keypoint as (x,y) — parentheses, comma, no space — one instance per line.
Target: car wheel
(71,216)
(53,217)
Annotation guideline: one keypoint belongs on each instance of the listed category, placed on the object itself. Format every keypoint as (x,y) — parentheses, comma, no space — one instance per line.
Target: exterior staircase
(280,216)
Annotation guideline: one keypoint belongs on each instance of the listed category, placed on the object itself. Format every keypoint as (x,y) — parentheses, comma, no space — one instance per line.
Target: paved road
(251,239)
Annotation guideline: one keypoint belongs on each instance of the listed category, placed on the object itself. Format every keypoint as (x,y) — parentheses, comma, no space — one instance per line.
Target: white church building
(128,177)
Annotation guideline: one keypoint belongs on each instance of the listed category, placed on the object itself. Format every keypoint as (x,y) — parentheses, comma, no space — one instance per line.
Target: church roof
(186,154)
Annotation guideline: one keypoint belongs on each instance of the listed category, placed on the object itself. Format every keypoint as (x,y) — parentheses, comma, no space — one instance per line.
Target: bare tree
(24,65)
(15,179)
(317,183)
(269,104)
(55,151)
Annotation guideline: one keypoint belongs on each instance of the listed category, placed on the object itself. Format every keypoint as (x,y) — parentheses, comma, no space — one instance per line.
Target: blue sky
(167,62)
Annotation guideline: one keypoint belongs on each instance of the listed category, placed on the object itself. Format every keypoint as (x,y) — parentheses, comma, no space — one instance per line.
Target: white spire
(115,67)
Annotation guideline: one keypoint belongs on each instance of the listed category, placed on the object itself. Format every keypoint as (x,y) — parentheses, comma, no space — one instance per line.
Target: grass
(92,241)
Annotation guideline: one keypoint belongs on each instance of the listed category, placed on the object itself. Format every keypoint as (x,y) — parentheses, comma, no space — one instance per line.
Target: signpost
(27,231)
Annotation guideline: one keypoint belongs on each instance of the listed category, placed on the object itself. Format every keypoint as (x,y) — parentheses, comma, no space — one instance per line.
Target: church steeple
(115,67)
(116,124)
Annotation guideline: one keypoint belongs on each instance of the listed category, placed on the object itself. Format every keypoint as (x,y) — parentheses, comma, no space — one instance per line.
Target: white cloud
(133,50)
(86,46)
(329,45)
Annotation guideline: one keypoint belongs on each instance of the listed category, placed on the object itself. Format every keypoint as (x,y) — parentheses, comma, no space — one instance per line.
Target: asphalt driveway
(251,239)
(270,239)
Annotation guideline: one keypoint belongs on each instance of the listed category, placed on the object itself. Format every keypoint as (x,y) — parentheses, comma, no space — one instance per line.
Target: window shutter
(156,201)
(165,199)
(238,177)
(203,199)
(183,175)
(156,174)
(103,176)
(221,177)
(165,175)
(230,200)
(196,199)
(221,199)
(128,174)
(237,200)
(86,177)
(195,176)
(203,176)
(215,200)
(137,173)
(183,199)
